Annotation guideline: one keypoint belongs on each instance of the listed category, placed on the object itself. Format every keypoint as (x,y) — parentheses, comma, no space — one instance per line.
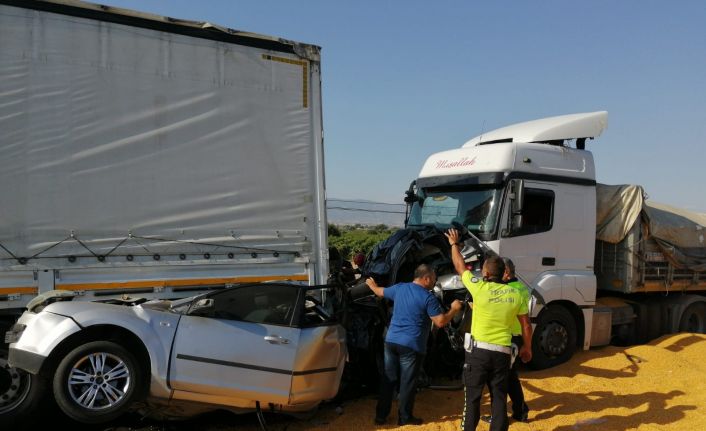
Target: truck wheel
(693,319)
(20,394)
(554,339)
(96,382)
(647,322)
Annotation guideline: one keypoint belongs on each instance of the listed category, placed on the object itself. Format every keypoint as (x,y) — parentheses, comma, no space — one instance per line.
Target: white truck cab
(530,196)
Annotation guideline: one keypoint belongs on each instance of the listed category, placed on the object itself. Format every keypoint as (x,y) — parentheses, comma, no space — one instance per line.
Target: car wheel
(96,382)
(554,339)
(21,394)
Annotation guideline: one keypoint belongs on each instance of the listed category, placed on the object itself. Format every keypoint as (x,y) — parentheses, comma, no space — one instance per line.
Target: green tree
(333,230)
(360,239)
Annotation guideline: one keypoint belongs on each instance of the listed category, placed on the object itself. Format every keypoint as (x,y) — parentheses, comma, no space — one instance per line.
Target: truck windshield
(476,209)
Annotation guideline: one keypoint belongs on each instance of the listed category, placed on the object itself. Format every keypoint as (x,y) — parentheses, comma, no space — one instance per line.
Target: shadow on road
(570,403)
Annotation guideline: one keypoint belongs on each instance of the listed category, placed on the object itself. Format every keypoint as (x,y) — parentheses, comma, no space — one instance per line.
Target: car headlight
(14,334)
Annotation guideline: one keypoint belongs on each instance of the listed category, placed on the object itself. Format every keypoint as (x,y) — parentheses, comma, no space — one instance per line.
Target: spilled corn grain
(657,386)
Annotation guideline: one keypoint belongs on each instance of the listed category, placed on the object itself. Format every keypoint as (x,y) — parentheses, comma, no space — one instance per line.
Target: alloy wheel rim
(99,381)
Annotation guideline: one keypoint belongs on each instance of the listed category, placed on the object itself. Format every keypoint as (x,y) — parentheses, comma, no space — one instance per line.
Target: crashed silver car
(269,344)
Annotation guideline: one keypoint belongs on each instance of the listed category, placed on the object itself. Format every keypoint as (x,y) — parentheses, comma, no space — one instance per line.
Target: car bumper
(35,342)
(24,360)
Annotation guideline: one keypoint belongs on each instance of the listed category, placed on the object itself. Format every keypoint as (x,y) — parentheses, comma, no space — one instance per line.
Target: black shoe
(380,421)
(521,418)
(411,421)
(486,418)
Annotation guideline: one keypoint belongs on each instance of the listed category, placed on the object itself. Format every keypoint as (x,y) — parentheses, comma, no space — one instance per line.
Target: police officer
(520,410)
(495,307)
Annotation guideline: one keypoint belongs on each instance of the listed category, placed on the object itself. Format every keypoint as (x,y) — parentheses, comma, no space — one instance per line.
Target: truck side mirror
(517,200)
(410,198)
(411,195)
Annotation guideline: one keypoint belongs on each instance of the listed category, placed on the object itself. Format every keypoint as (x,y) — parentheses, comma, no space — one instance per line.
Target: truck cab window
(537,212)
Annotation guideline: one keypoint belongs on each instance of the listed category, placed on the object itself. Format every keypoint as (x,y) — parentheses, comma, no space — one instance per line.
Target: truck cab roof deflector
(572,126)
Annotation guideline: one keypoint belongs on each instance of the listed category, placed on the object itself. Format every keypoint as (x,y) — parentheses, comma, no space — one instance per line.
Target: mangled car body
(269,344)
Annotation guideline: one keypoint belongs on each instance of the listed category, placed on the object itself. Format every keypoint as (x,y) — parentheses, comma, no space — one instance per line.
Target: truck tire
(96,382)
(554,338)
(642,321)
(21,394)
(693,319)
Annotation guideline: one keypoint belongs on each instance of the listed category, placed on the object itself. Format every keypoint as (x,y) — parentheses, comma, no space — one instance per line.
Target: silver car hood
(91,313)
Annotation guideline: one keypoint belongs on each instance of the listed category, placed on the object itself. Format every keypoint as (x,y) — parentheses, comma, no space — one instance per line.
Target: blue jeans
(401,368)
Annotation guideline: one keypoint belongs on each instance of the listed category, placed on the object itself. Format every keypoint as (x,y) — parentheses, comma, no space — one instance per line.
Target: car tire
(21,395)
(554,339)
(82,390)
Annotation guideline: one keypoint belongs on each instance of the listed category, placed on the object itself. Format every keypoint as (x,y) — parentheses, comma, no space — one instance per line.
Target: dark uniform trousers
(514,388)
(485,367)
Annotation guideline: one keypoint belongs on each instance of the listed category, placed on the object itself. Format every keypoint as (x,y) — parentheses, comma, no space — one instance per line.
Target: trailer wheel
(96,382)
(693,319)
(648,324)
(554,338)
(20,394)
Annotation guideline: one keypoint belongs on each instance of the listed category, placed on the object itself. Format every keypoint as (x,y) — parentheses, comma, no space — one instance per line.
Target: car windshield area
(476,209)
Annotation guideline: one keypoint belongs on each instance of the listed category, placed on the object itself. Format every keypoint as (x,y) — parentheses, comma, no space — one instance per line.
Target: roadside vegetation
(352,239)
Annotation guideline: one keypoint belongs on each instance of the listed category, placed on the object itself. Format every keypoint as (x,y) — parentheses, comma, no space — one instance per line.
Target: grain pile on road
(657,386)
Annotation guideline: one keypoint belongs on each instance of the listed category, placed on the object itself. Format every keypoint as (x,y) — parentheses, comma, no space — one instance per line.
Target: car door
(245,348)
(321,354)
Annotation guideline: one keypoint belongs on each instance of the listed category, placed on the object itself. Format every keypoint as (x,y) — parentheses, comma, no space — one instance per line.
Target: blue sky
(404,79)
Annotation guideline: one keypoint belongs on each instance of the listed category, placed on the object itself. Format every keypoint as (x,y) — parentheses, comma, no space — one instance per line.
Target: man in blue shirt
(405,343)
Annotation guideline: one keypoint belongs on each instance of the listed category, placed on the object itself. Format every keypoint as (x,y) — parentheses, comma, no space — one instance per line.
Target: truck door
(245,349)
(534,248)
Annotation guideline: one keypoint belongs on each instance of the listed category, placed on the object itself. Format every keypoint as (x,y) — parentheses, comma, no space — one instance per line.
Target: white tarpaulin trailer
(144,152)
(679,234)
